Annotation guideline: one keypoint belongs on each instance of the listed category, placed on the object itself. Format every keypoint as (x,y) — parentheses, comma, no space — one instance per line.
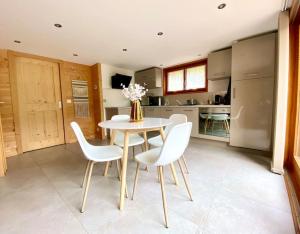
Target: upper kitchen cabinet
(219,64)
(254,58)
(152,77)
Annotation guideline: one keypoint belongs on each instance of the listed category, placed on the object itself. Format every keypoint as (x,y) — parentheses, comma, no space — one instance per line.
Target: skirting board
(279,171)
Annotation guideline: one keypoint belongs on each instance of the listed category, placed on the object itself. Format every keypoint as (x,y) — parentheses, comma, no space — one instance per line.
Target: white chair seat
(149,157)
(134,139)
(104,153)
(155,141)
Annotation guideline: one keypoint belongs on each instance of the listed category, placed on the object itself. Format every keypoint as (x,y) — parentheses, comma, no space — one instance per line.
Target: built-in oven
(214,121)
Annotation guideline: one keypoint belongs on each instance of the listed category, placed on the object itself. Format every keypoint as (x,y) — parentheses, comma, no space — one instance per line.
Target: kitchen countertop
(195,106)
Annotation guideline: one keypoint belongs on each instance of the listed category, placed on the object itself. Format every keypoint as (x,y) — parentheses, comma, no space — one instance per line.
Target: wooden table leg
(163,137)
(112,139)
(146,148)
(124,169)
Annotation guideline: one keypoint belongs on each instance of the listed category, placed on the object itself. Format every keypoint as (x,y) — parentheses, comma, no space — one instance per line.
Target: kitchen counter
(176,106)
(192,106)
(191,111)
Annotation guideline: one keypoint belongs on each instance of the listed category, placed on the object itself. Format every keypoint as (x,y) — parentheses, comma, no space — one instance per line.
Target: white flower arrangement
(134,92)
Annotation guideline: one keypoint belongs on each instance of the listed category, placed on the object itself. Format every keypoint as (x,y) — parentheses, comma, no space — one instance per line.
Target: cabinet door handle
(168,110)
(219,73)
(188,110)
(251,74)
(59,104)
(233,93)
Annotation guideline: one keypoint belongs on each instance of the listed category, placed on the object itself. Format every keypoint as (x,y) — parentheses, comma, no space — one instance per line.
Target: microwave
(156,101)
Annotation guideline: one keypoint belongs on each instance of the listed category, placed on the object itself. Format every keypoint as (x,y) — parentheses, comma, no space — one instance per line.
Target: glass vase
(136,114)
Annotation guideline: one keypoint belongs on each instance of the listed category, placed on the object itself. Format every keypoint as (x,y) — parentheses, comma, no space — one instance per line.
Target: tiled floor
(234,192)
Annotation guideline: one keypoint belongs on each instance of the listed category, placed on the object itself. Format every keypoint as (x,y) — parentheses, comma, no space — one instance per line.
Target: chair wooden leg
(161,175)
(133,153)
(185,164)
(135,179)
(174,174)
(106,169)
(185,181)
(112,139)
(205,125)
(146,145)
(87,185)
(158,177)
(119,170)
(227,125)
(85,174)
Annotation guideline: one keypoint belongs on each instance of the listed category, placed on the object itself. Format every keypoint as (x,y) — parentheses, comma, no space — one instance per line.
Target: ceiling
(99,30)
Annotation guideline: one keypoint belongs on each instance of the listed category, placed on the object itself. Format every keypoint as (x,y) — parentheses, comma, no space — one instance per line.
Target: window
(186,78)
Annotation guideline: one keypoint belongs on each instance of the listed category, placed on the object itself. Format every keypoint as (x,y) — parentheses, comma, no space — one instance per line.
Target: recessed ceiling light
(160,33)
(124,49)
(17,41)
(75,54)
(58,25)
(222,6)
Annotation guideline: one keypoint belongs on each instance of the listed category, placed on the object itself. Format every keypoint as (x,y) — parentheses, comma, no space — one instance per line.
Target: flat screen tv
(118,80)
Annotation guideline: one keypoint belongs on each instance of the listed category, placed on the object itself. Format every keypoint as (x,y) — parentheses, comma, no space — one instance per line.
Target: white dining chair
(158,142)
(134,139)
(94,154)
(173,148)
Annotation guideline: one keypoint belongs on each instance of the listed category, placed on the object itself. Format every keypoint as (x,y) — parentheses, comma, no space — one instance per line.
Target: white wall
(281,90)
(113,97)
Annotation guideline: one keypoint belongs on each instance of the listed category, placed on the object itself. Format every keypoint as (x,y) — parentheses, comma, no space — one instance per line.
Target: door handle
(233,92)
(59,104)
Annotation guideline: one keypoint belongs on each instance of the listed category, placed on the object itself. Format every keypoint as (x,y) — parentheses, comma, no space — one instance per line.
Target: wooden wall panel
(6,108)
(3,165)
(68,72)
(98,99)
(72,71)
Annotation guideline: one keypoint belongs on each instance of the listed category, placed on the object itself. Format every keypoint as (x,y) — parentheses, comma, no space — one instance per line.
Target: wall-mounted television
(118,80)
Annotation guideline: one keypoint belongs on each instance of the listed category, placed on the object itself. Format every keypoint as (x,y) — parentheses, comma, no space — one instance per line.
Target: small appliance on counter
(219,100)
(156,101)
(191,101)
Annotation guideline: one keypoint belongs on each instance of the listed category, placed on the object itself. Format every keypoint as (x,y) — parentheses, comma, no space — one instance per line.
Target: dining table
(141,127)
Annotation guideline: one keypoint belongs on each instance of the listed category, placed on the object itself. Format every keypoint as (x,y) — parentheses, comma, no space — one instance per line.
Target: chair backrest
(85,146)
(119,134)
(219,117)
(176,119)
(120,117)
(175,144)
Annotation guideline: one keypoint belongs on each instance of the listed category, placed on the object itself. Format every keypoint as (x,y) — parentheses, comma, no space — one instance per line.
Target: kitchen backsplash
(214,88)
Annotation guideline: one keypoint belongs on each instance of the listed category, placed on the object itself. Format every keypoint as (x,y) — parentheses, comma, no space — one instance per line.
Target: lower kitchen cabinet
(124,110)
(192,116)
(166,112)
(153,112)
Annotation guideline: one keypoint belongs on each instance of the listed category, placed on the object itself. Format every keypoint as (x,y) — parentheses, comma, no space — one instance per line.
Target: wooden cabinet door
(166,112)
(124,111)
(219,64)
(254,58)
(251,112)
(152,78)
(192,114)
(39,103)
(153,112)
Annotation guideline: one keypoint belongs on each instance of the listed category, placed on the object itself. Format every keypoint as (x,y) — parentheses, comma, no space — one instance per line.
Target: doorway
(39,107)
